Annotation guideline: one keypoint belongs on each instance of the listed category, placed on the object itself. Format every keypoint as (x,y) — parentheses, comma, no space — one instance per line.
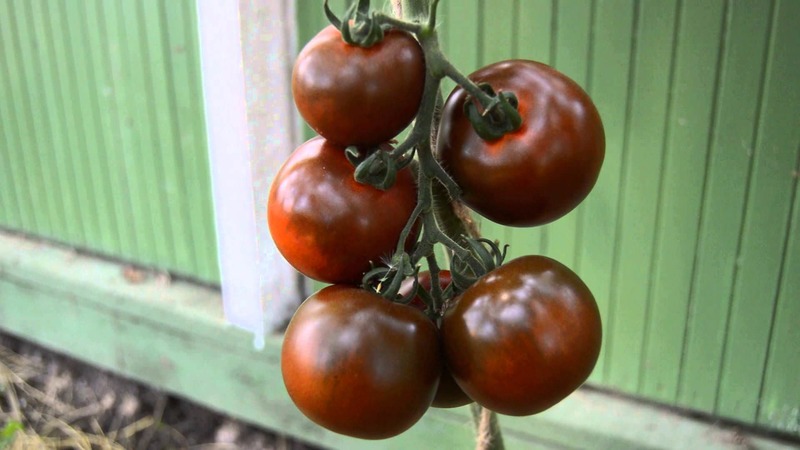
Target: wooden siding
(690,241)
(102,136)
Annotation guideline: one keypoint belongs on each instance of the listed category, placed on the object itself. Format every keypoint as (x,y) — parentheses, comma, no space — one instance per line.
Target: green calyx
(359,27)
(498,118)
(489,255)
(376,167)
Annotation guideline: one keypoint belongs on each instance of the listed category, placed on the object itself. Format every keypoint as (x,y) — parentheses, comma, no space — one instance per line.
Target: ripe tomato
(539,172)
(360,365)
(326,224)
(359,96)
(448,394)
(425,282)
(523,337)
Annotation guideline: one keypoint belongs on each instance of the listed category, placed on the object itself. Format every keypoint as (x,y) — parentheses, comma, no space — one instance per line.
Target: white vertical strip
(268,50)
(229,152)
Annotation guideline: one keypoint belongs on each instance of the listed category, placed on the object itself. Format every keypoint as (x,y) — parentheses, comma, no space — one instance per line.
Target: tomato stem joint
(497,118)
(359,27)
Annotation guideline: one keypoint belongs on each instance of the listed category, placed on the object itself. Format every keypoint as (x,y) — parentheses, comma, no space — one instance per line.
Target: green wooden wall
(690,240)
(102,136)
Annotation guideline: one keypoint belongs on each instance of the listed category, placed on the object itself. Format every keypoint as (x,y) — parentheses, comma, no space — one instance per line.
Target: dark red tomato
(449,394)
(359,96)
(523,337)
(539,172)
(360,365)
(425,282)
(326,224)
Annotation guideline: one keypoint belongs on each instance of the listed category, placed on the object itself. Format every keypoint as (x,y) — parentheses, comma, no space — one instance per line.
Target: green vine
(438,213)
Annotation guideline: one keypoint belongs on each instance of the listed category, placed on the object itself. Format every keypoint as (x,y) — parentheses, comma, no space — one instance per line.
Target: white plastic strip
(229,152)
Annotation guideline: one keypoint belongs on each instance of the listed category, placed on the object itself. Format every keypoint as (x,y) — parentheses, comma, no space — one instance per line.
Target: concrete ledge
(172,335)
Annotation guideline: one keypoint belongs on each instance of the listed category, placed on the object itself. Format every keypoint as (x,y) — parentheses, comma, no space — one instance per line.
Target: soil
(50,401)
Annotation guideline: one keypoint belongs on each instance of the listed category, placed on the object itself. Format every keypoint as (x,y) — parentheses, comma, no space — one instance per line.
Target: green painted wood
(779,400)
(10,209)
(694,92)
(67,222)
(192,165)
(767,218)
(109,132)
(652,79)
(30,196)
(613,47)
(41,163)
(103,144)
(172,336)
(734,127)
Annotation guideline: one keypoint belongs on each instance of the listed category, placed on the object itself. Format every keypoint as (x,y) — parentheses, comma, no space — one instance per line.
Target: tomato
(448,394)
(523,337)
(539,172)
(359,96)
(326,224)
(360,365)
(425,282)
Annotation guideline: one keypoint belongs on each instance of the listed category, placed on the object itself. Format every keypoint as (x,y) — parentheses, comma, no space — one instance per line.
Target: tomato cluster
(367,361)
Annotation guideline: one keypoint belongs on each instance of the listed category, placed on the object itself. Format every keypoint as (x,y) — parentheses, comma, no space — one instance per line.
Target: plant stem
(432,179)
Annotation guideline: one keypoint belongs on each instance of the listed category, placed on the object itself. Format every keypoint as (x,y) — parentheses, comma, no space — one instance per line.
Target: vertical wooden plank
(189,118)
(72,151)
(613,47)
(164,142)
(779,402)
(151,179)
(641,182)
(11,215)
(497,39)
(42,140)
(572,57)
(723,200)
(460,31)
(66,227)
(106,97)
(24,164)
(766,218)
(168,117)
(534,20)
(99,220)
(693,95)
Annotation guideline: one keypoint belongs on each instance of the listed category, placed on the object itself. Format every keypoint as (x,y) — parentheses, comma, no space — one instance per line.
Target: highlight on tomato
(523,337)
(360,365)
(329,226)
(353,95)
(542,170)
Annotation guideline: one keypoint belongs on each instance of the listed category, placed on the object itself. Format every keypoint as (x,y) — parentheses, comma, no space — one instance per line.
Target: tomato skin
(448,394)
(360,365)
(541,171)
(523,337)
(326,224)
(359,96)
(425,282)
